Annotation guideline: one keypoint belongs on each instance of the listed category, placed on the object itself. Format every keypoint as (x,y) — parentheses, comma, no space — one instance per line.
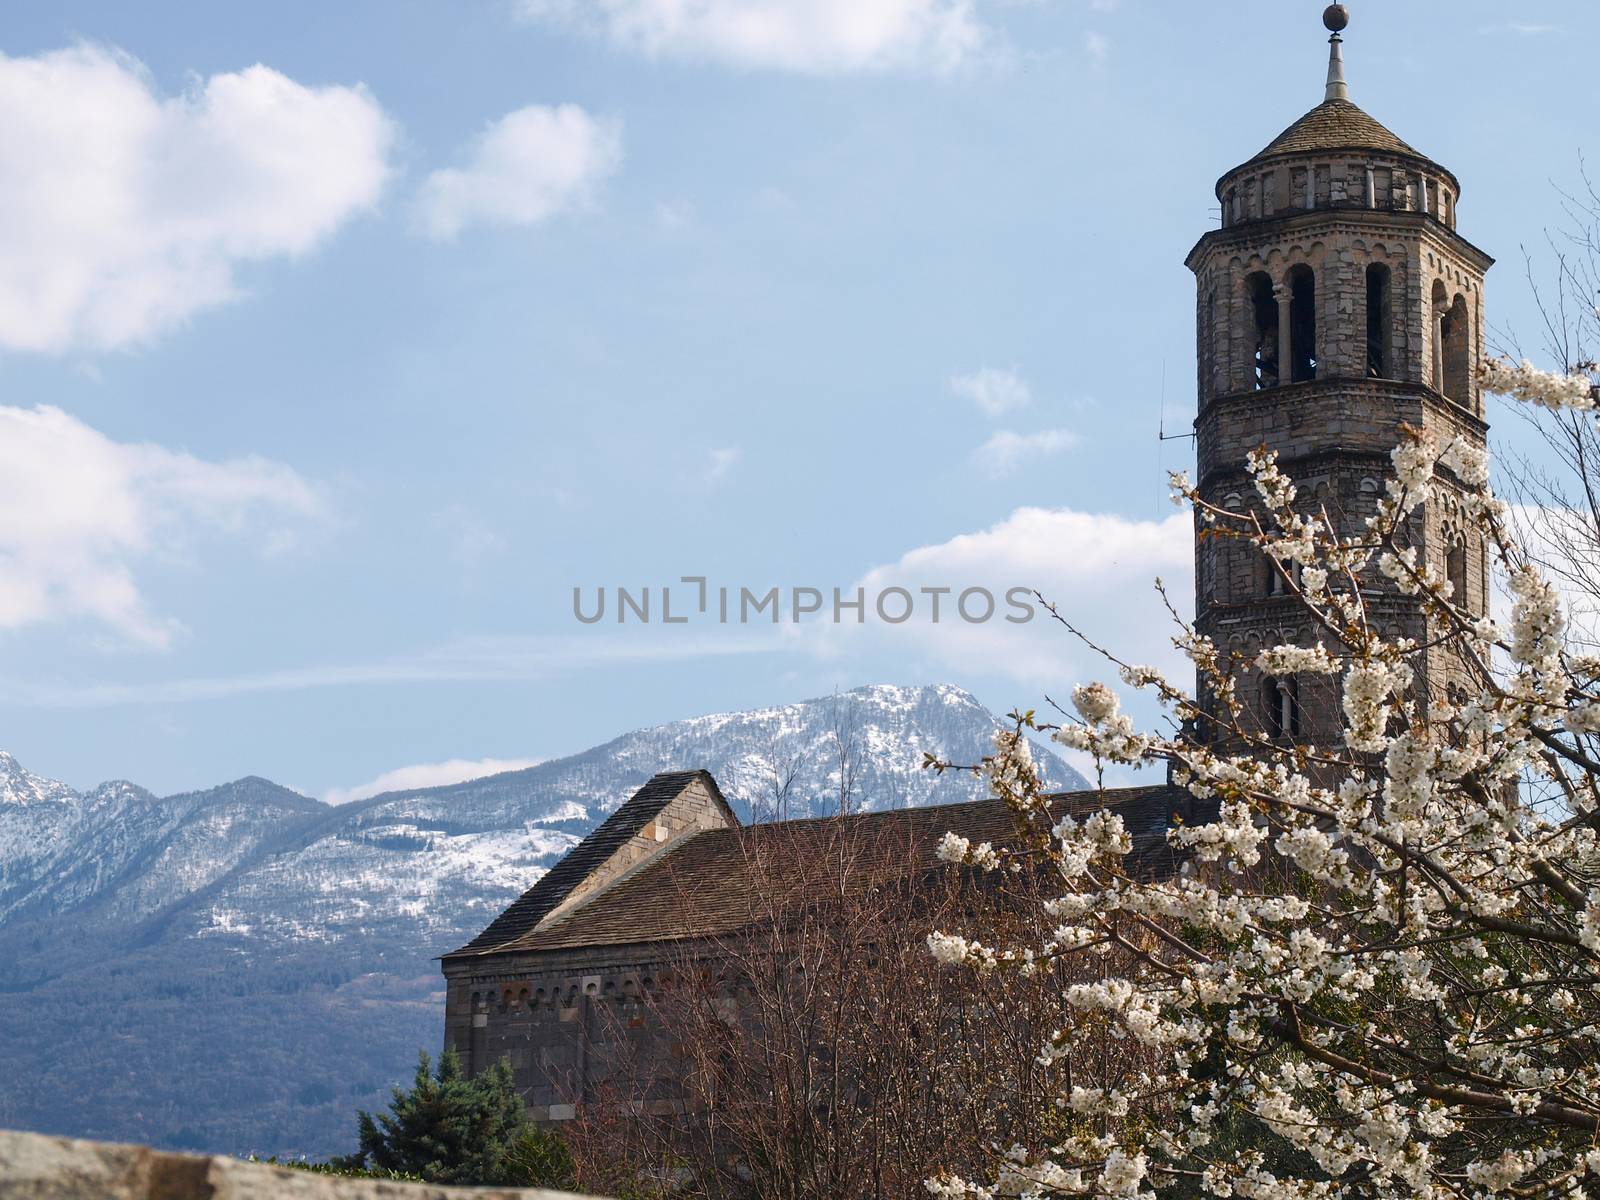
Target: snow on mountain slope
(126,852)
(37,818)
(20,787)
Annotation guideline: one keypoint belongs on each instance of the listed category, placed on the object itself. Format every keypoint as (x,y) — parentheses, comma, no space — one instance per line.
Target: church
(1336,302)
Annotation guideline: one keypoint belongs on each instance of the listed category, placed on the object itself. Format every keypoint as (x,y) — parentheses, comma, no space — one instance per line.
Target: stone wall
(572,1022)
(36,1167)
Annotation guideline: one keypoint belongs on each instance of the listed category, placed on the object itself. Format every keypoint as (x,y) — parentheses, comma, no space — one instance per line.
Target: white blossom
(1523,381)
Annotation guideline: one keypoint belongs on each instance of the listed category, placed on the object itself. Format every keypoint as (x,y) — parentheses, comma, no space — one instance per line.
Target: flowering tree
(1378,972)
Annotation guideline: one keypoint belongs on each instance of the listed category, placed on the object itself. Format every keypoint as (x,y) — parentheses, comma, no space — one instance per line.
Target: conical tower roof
(1336,125)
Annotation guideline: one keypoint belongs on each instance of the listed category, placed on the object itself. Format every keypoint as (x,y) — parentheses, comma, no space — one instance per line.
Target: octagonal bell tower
(1337,302)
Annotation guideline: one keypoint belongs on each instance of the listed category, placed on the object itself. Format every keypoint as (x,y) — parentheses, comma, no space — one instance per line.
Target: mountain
(238,969)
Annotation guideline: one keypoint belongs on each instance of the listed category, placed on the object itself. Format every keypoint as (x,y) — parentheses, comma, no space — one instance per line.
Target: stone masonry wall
(574,1023)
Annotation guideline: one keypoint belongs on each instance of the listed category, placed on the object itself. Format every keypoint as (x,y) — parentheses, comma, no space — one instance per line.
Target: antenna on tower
(1161,423)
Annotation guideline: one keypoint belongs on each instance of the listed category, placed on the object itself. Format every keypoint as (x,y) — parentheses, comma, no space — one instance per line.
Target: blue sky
(325,383)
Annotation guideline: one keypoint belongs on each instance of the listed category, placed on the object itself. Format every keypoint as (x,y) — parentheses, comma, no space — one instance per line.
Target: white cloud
(995,390)
(1099,569)
(123,212)
(1098,46)
(427,775)
(523,169)
(1005,451)
(810,36)
(78,510)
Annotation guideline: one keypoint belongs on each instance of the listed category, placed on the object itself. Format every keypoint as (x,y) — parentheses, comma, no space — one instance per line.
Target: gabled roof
(613,833)
(1335,125)
(699,889)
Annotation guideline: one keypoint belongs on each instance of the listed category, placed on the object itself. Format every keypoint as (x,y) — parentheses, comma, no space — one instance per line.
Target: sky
(340,343)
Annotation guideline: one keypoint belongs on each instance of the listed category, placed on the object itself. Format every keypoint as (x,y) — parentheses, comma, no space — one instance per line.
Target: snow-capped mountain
(19,787)
(159,956)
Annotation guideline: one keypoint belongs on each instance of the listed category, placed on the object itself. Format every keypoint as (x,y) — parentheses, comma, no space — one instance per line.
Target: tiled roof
(613,833)
(1335,125)
(698,887)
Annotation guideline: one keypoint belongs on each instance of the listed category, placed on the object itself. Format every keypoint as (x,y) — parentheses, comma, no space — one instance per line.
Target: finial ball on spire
(1336,17)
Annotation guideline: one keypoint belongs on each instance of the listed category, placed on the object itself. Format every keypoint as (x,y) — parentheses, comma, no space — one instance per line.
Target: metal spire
(1336,18)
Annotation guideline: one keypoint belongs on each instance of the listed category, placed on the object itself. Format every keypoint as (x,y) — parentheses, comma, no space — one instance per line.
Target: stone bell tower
(1337,302)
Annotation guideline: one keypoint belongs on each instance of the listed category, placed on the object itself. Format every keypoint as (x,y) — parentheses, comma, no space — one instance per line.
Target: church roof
(1335,125)
(699,888)
(613,833)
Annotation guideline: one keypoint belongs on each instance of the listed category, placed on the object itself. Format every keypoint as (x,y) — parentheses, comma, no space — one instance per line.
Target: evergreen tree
(448,1128)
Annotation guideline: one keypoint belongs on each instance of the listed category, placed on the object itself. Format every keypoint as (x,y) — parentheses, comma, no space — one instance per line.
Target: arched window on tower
(1380,322)
(1455,566)
(1208,344)
(1441,303)
(1264,317)
(1458,352)
(1452,345)
(1274,583)
(1302,286)
(1280,707)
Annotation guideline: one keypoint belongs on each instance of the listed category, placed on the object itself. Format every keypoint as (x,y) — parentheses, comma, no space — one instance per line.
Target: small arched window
(1379,321)
(1455,568)
(1280,704)
(1458,352)
(1452,345)
(1264,368)
(1302,287)
(1273,581)
(1208,343)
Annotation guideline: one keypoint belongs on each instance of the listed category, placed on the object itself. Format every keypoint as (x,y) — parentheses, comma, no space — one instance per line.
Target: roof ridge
(552,888)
